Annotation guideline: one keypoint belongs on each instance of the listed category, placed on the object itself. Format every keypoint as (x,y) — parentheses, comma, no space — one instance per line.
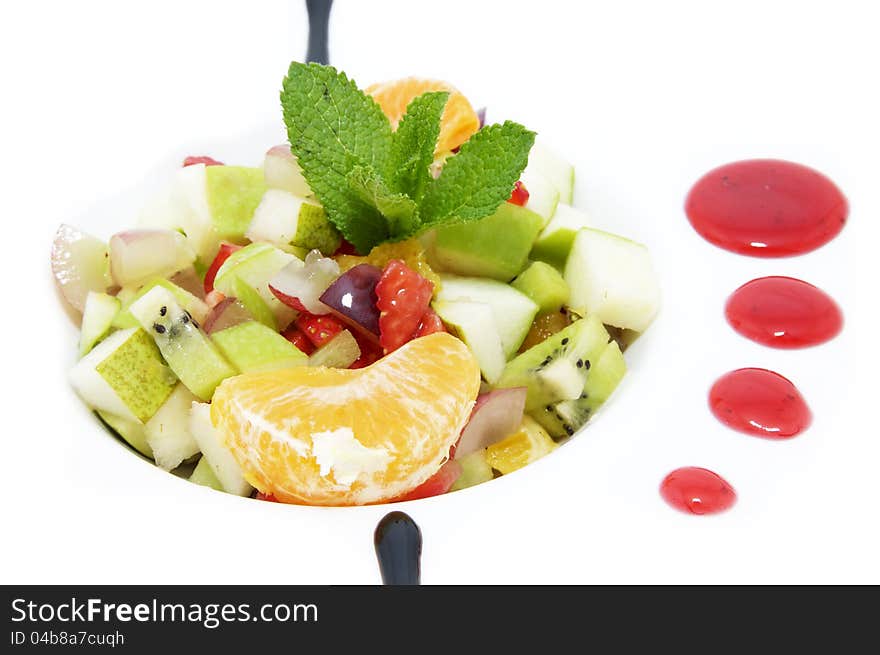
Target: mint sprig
(375,184)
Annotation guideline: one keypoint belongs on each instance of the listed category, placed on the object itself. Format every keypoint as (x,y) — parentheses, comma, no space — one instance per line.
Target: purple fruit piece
(226,313)
(352,299)
(495,415)
(481,116)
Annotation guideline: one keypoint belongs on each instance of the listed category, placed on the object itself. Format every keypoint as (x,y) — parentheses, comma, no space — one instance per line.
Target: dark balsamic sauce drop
(398,542)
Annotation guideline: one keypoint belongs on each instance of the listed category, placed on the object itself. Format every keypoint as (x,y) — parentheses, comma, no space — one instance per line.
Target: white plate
(643,101)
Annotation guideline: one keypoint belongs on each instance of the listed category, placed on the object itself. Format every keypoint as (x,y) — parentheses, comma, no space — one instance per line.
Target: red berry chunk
(295,336)
(437,484)
(226,249)
(268,497)
(520,195)
(402,299)
(345,248)
(319,329)
(429,324)
(202,159)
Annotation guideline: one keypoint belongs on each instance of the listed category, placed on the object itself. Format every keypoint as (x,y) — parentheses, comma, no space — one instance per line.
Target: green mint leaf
(480,177)
(333,127)
(399,210)
(413,144)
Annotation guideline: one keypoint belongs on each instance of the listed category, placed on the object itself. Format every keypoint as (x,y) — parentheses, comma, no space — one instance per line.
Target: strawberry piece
(202,159)
(295,336)
(269,497)
(429,324)
(437,484)
(520,195)
(319,329)
(226,249)
(402,299)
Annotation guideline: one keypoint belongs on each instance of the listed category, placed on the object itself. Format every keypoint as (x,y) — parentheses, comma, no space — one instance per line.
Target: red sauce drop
(760,403)
(766,208)
(697,491)
(783,312)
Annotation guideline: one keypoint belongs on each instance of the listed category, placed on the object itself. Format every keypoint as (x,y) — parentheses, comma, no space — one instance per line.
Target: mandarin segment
(459,121)
(324,436)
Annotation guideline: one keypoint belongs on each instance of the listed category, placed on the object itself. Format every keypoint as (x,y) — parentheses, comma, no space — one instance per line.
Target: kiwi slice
(565,417)
(557,369)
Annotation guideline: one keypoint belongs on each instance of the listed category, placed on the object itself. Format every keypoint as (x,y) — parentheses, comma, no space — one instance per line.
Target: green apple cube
(475,324)
(544,285)
(554,169)
(252,346)
(475,470)
(554,242)
(124,375)
(204,475)
(496,247)
(98,315)
(612,278)
(253,303)
(233,194)
(512,311)
(132,432)
(214,449)
(167,432)
(282,171)
(189,352)
(287,220)
(543,196)
(195,306)
(191,187)
(255,265)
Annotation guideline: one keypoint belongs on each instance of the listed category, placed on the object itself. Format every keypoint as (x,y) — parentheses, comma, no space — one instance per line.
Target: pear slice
(124,375)
(233,193)
(204,475)
(98,315)
(129,431)
(287,220)
(167,432)
(216,452)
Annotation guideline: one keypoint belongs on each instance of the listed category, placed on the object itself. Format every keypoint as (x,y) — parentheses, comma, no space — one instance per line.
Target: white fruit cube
(613,279)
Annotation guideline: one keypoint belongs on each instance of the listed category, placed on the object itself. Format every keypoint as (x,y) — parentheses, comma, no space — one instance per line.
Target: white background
(643,97)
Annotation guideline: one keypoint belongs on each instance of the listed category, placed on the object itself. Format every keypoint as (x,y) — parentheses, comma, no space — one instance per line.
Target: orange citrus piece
(411,252)
(323,436)
(458,123)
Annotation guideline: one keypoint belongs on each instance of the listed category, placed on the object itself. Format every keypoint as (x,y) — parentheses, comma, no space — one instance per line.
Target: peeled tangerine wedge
(324,436)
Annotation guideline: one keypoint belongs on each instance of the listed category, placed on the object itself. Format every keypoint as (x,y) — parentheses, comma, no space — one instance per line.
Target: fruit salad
(400,302)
